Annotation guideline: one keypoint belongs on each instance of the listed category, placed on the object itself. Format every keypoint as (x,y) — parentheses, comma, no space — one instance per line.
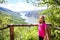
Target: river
(29,20)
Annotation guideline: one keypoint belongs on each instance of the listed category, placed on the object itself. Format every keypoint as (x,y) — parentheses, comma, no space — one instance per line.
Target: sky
(20,5)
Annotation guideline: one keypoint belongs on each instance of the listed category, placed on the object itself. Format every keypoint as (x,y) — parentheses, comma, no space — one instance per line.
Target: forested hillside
(20,33)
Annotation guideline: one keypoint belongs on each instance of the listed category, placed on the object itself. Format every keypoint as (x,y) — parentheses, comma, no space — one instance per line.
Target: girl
(42,28)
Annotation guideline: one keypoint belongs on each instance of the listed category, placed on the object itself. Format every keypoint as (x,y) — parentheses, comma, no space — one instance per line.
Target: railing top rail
(25,25)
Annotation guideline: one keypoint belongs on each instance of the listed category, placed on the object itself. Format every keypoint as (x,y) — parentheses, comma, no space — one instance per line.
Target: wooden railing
(21,25)
(11,26)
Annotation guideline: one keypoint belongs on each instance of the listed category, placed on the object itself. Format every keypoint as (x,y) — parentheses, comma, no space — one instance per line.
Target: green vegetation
(52,15)
(20,33)
(26,33)
(7,19)
(30,33)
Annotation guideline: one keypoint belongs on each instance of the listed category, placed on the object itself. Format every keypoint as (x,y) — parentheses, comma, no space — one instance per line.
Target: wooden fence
(11,26)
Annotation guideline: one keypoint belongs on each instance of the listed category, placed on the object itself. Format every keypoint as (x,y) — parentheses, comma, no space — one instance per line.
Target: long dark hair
(43,19)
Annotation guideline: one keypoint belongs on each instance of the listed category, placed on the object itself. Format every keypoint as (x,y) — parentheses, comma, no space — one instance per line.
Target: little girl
(42,28)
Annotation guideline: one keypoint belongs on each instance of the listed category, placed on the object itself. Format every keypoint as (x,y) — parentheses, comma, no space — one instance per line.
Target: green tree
(52,15)
(6,19)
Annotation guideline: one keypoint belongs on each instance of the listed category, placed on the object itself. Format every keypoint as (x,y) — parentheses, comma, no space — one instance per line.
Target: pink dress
(41,29)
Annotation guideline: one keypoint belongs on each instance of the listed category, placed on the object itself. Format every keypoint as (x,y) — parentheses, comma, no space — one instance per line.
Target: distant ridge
(17,14)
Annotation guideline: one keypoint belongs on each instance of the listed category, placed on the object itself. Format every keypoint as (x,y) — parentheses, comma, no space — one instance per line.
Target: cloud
(21,7)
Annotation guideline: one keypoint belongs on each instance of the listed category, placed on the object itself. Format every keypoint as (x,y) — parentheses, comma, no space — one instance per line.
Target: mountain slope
(17,14)
(15,17)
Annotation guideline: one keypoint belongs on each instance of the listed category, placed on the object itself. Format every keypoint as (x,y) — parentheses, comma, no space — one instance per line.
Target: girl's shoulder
(45,25)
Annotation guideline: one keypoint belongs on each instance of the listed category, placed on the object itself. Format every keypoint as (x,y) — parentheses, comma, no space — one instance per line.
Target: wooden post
(11,32)
(47,36)
(49,32)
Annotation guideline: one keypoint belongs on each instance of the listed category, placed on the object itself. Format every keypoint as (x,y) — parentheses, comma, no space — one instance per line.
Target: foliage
(4,34)
(30,33)
(20,33)
(26,33)
(52,15)
(6,19)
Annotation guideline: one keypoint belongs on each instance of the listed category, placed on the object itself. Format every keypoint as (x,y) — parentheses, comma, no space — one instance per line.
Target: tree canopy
(52,15)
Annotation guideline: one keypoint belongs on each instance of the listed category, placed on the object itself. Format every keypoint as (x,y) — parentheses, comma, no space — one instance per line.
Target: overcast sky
(20,5)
